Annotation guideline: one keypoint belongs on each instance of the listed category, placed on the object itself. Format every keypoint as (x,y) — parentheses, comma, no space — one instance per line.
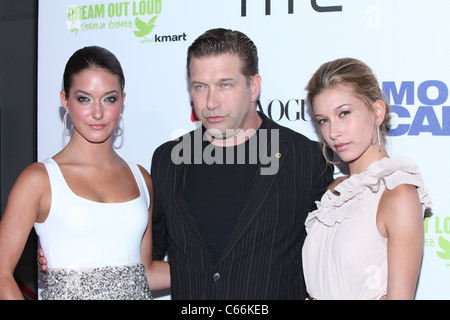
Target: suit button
(216,276)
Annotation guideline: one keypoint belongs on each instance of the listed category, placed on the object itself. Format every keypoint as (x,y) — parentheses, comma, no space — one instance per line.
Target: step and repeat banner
(404,41)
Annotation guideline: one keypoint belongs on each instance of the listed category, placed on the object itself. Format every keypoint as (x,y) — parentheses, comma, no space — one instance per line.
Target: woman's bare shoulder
(34,173)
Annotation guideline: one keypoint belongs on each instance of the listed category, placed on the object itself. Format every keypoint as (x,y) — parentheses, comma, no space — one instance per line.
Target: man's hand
(42,263)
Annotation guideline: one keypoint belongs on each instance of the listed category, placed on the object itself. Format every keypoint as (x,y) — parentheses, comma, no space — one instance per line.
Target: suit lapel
(183,212)
(262,189)
(263,186)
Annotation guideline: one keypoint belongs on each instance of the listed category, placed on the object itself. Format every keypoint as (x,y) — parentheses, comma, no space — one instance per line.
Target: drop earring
(67,132)
(379,138)
(122,127)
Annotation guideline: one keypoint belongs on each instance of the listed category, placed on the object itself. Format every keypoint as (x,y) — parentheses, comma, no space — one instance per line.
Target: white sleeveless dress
(344,254)
(93,248)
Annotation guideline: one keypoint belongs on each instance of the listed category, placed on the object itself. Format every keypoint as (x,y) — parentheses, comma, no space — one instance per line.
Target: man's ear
(255,84)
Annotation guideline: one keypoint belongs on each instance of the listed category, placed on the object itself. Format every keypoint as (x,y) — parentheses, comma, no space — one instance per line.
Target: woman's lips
(340,147)
(97,126)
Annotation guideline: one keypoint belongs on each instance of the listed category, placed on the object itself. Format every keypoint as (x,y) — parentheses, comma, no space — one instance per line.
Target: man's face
(224,99)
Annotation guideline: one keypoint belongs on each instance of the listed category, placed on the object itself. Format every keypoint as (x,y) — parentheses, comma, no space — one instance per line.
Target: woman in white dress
(365,240)
(90,208)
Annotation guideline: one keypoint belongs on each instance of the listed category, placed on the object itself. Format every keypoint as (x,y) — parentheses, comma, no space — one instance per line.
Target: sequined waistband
(126,282)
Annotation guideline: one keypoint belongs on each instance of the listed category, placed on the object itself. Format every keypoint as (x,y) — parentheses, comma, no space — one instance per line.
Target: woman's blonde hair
(355,75)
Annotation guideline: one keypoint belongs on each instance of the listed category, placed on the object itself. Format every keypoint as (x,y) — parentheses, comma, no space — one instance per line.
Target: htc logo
(314,5)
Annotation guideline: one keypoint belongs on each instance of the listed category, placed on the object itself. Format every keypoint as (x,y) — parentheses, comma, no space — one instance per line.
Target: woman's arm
(28,199)
(400,220)
(158,272)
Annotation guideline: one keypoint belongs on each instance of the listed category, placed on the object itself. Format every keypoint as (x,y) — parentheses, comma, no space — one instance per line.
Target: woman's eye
(344,113)
(321,121)
(83,99)
(111,99)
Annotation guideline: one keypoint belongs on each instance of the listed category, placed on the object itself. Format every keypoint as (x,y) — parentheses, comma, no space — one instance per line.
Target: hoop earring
(379,138)
(122,127)
(325,150)
(67,132)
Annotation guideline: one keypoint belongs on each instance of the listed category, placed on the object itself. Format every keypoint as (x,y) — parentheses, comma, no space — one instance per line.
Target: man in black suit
(231,198)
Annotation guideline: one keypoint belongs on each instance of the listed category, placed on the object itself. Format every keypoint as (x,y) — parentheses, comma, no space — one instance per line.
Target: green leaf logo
(445,246)
(144,28)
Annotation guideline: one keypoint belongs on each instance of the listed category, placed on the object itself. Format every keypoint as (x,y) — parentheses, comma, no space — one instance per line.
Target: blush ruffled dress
(344,255)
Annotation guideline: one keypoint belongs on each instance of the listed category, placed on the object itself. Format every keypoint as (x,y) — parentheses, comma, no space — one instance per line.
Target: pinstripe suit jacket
(263,258)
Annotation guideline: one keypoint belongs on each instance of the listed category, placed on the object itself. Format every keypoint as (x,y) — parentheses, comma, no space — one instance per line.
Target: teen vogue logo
(291,110)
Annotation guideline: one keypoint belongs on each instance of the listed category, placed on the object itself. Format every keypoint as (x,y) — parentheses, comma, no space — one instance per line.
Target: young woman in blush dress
(365,240)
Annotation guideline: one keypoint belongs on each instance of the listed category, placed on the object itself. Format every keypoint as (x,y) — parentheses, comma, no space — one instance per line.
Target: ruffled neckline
(378,172)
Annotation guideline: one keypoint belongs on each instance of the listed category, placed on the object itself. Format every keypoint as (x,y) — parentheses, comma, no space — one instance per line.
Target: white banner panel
(404,41)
